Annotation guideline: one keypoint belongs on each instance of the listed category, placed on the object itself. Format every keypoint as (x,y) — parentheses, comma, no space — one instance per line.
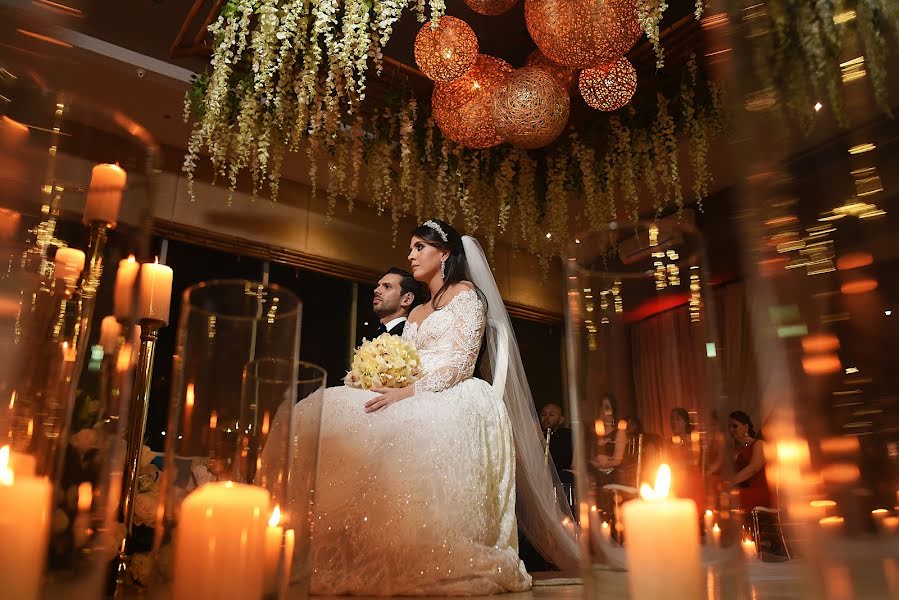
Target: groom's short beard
(386,309)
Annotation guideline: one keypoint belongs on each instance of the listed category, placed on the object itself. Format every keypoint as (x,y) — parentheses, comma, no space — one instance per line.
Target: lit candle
(24,524)
(124,287)
(831,525)
(662,544)
(749,549)
(274,534)
(104,196)
(69,263)
(708,519)
(220,545)
(81,526)
(109,334)
(890,524)
(716,535)
(155,292)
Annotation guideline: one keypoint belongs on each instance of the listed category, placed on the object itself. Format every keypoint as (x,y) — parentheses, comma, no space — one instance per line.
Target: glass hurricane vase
(219,529)
(64,384)
(647,402)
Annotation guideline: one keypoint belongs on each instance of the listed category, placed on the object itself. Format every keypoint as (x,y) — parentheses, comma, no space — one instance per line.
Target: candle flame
(190,397)
(156,261)
(694,437)
(12,400)
(265,423)
(30,431)
(123,362)
(600,427)
(6,475)
(715,529)
(85,496)
(663,481)
(213,420)
(276,517)
(663,485)
(131,258)
(708,512)
(622,425)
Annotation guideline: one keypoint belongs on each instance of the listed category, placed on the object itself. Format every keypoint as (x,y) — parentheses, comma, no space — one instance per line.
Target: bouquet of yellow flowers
(386,361)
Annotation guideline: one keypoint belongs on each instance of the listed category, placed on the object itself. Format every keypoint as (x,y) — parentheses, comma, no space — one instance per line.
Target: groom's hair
(410,285)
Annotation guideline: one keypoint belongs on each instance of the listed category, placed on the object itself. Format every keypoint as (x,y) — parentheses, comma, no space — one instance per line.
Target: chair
(756,529)
(501,366)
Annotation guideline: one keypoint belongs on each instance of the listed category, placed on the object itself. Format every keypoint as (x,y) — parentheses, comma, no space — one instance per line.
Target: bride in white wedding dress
(416,490)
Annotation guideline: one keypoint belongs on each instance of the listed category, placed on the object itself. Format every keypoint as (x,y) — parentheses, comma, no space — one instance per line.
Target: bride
(416,489)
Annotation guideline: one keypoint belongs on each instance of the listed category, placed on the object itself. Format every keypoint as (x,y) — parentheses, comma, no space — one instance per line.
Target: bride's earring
(443,269)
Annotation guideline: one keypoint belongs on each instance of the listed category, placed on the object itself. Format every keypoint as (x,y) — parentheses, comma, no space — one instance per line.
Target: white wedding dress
(418,498)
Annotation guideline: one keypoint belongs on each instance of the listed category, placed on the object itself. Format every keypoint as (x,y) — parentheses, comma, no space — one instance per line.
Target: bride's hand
(388,396)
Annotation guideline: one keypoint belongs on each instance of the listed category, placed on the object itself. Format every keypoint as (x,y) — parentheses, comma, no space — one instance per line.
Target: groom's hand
(388,396)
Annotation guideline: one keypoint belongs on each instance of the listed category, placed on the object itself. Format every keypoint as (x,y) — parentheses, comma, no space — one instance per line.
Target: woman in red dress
(749,463)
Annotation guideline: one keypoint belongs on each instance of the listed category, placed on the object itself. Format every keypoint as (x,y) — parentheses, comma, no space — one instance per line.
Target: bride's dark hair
(456,265)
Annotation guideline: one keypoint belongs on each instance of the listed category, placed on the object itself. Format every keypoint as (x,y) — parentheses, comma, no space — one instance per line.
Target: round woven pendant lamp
(463,108)
(530,109)
(608,87)
(447,51)
(565,76)
(583,33)
(491,8)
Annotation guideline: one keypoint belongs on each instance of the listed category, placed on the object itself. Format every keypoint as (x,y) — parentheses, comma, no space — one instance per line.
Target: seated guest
(752,483)
(683,456)
(552,422)
(611,442)
(649,447)
(749,463)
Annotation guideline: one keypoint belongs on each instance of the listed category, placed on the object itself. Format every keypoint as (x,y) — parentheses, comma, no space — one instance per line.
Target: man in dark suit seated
(552,422)
(396,294)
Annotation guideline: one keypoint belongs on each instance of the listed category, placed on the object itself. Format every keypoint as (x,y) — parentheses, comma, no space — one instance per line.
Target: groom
(395,296)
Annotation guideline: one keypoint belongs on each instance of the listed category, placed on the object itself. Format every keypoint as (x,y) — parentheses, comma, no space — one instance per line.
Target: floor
(876,580)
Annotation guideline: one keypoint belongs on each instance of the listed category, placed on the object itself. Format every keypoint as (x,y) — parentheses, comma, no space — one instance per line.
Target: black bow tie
(382,328)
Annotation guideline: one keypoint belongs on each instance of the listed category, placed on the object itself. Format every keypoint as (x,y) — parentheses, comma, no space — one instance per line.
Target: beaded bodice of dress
(448,341)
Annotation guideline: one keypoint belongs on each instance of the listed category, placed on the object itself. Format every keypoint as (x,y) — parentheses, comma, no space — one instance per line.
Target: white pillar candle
(125,278)
(24,523)
(662,544)
(110,329)
(104,196)
(220,545)
(155,292)
(69,263)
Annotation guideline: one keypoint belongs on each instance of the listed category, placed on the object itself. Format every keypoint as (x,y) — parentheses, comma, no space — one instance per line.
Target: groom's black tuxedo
(397,329)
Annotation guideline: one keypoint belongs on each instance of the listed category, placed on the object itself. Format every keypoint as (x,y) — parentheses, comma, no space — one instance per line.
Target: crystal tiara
(436,228)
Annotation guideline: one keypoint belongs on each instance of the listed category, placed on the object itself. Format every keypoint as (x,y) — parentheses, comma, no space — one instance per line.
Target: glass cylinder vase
(77,183)
(647,402)
(216,518)
(287,399)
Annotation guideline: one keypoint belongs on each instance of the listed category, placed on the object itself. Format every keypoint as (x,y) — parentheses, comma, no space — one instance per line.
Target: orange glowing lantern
(820,342)
(859,286)
(854,260)
(821,364)
(446,51)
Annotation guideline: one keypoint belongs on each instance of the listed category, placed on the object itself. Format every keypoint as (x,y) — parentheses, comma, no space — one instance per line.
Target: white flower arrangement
(386,361)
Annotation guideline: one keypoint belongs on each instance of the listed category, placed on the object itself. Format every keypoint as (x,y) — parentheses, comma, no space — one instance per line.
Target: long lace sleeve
(458,347)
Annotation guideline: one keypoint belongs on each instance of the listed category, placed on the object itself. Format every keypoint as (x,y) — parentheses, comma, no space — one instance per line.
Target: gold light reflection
(820,342)
(43,38)
(859,286)
(58,8)
(862,148)
(840,473)
(853,69)
(854,260)
(843,17)
(821,364)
